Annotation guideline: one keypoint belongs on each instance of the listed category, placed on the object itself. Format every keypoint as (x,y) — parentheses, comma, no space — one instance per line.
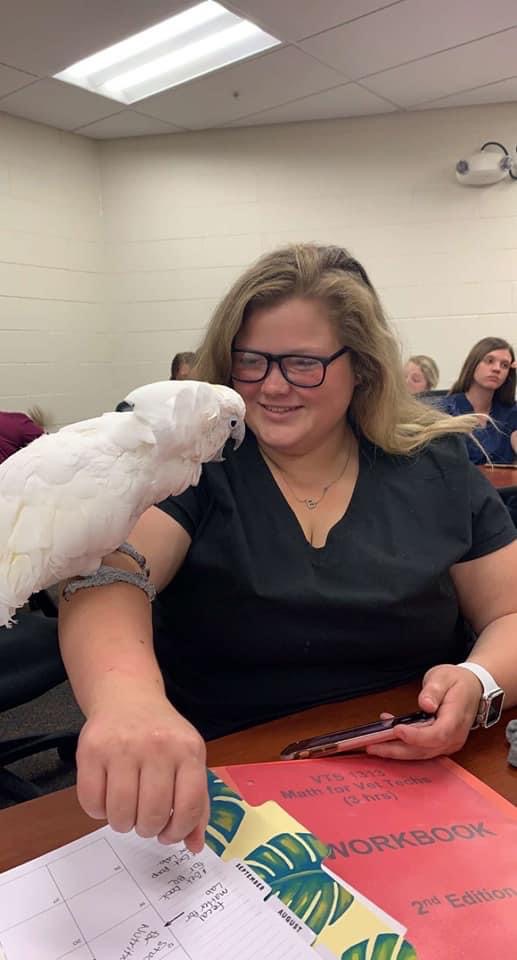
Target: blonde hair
(381,407)
(38,416)
(429,369)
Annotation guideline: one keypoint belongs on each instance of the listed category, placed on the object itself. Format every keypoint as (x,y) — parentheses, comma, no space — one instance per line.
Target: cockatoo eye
(233,422)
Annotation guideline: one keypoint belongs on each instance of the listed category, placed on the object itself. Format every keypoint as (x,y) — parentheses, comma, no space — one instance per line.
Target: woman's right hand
(141,764)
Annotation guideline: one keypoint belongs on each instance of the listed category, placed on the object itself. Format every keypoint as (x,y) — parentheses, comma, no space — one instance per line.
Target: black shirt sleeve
(187,509)
(492,526)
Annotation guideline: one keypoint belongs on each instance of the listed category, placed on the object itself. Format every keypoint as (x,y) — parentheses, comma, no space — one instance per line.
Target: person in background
(17,430)
(340,550)
(181,366)
(421,374)
(486,386)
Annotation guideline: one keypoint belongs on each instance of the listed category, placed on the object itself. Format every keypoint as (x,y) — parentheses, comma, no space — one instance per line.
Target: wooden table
(31,829)
(501,476)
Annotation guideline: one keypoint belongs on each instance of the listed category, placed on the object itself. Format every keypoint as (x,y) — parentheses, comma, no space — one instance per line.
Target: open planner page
(110,896)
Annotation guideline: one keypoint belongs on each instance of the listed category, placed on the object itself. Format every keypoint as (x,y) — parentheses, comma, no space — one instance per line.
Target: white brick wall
(92,303)
(185,213)
(52,318)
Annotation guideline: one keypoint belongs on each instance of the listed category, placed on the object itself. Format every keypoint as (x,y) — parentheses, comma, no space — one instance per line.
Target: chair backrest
(30,662)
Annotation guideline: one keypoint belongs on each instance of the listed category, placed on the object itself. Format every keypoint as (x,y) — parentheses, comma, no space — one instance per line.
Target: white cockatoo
(72,497)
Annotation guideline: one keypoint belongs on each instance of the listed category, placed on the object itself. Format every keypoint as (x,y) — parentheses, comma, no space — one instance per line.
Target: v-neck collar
(271,486)
(466,406)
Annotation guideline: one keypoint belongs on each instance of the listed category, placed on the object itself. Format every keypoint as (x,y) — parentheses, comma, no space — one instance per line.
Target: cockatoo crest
(185,403)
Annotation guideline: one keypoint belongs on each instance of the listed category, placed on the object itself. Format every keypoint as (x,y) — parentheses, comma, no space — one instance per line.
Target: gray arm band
(106,575)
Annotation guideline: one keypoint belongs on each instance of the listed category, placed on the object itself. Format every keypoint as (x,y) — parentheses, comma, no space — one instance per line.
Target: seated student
(421,374)
(181,366)
(335,553)
(486,385)
(17,430)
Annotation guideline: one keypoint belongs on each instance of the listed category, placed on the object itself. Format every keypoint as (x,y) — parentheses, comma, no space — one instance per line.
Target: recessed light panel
(190,44)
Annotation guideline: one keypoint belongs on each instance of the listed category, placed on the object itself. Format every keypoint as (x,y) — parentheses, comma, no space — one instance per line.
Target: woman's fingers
(91,785)
(190,803)
(450,694)
(396,750)
(195,841)
(155,798)
(122,794)
(144,768)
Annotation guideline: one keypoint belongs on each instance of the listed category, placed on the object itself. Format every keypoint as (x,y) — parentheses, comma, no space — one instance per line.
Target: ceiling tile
(472,65)
(45,37)
(11,80)
(291,20)
(406,31)
(265,82)
(57,104)
(503,92)
(337,41)
(349,100)
(128,123)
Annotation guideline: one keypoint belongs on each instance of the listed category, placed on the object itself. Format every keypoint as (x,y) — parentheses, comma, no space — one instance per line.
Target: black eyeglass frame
(279,357)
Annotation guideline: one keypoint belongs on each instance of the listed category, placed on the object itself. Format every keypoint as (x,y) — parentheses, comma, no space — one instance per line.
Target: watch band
(492,696)
(485,678)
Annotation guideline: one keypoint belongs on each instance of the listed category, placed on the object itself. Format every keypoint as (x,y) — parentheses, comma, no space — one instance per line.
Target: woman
(329,556)
(181,365)
(421,374)
(486,386)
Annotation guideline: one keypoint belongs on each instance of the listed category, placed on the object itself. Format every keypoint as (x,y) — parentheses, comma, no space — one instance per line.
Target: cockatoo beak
(237,434)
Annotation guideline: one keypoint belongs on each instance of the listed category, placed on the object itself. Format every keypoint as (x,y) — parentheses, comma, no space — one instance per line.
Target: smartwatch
(492,698)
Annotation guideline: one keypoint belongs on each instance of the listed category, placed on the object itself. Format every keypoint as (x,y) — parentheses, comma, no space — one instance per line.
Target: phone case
(356,738)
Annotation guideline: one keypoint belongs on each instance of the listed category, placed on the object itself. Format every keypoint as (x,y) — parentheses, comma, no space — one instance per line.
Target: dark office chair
(435,398)
(43,601)
(30,664)
(509,497)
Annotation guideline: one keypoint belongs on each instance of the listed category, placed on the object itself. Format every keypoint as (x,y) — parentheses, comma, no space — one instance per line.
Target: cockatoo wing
(70,498)
(67,500)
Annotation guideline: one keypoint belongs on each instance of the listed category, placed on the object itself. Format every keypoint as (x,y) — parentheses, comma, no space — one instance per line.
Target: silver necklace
(312,502)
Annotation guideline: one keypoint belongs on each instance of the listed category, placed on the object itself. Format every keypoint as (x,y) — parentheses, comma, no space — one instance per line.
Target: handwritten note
(110,896)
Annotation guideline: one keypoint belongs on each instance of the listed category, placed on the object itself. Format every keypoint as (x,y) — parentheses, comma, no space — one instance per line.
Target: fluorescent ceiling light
(190,44)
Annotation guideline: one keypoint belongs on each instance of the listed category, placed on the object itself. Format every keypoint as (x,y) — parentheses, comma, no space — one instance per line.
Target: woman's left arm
(513,440)
(487,593)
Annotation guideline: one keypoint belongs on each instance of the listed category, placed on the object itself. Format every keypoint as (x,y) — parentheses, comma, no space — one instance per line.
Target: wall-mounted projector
(485,167)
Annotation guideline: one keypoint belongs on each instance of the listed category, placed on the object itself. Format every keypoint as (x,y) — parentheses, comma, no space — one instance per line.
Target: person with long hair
(421,373)
(339,550)
(486,387)
(181,365)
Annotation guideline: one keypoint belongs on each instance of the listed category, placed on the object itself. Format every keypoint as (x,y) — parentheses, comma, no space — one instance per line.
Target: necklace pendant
(310,503)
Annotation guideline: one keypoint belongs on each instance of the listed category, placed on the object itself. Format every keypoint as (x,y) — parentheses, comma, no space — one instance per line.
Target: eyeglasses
(252,366)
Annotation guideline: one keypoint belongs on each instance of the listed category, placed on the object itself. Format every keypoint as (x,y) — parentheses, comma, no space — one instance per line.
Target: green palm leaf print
(383,949)
(226,814)
(291,865)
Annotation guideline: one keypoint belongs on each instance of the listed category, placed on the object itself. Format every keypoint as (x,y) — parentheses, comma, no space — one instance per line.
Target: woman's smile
(278,411)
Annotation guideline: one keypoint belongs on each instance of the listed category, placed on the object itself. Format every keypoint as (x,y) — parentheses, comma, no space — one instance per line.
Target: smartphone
(356,738)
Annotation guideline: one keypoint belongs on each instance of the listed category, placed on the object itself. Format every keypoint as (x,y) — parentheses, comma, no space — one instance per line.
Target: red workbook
(425,840)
